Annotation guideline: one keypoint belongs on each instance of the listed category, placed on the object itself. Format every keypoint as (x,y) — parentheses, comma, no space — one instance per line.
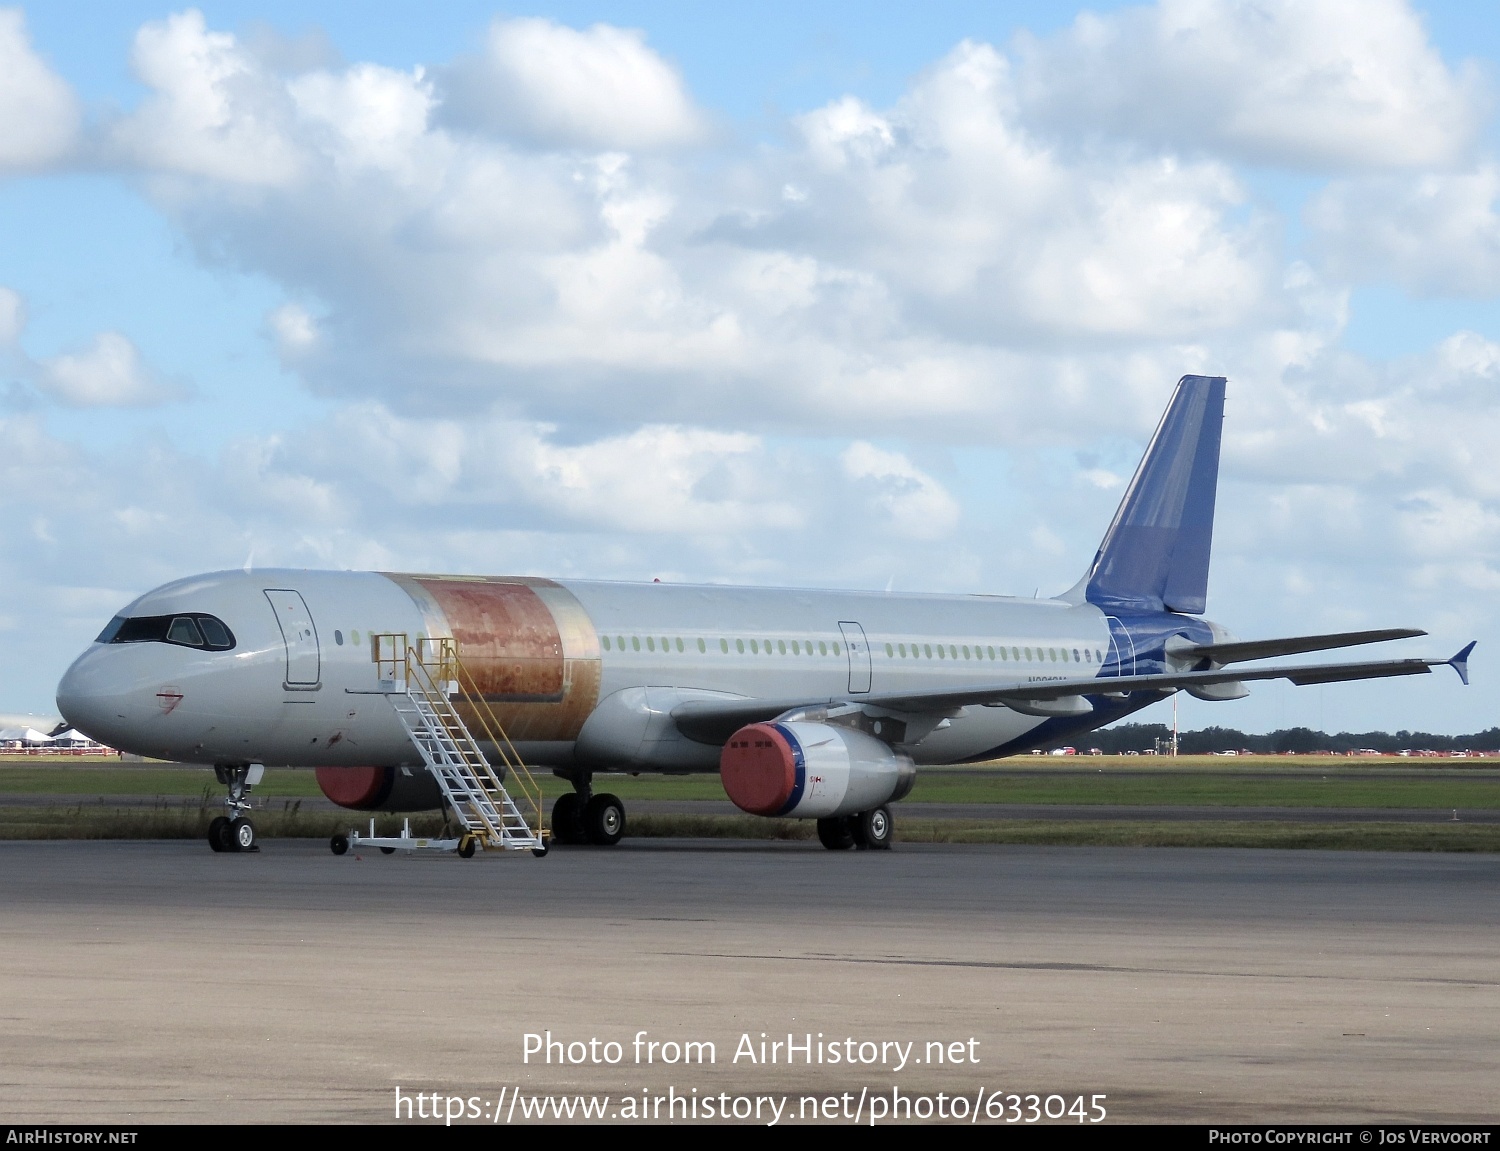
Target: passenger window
(650,644)
(679,643)
(1088,656)
(781,647)
(941,653)
(703,647)
(605,641)
(795,649)
(1065,655)
(901,647)
(184,631)
(1075,655)
(338,637)
(1028,655)
(992,653)
(927,650)
(635,643)
(822,648)
(836,650)
(739,645)
(354,635)
(724,646)
(754,648)
(890,652)
(966,651)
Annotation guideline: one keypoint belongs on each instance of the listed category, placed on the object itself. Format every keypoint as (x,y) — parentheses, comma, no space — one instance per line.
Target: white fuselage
(584,673)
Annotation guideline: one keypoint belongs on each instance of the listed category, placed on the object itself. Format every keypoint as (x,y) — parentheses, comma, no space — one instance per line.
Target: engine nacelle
(381,788)
(811,770)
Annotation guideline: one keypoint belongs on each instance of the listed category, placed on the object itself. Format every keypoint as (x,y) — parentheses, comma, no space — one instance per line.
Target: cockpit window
(184,631)
(215,633)
(187,630)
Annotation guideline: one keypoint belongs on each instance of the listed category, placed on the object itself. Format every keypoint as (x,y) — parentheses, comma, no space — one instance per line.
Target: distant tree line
(1144,736)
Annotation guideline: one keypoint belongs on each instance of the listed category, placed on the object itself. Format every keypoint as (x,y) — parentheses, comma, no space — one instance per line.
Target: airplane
(810,704)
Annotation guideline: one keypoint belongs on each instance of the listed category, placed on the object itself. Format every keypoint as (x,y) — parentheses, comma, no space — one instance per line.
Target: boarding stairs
(427,683)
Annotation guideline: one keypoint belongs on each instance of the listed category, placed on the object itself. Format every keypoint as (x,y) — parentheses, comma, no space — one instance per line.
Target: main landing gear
(232,831)
(581,817)
(866,830)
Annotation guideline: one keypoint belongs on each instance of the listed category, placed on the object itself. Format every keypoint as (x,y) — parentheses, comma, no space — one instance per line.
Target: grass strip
(1226,787)
(190,821)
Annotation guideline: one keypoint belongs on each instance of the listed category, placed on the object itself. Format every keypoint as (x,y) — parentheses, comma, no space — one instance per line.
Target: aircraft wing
(713,721)
(1234,652)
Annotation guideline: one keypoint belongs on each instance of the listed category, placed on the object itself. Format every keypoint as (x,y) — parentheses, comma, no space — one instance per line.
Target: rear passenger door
(859,656)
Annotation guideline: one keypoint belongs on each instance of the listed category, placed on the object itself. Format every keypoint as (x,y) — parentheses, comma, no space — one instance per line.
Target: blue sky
(882,293)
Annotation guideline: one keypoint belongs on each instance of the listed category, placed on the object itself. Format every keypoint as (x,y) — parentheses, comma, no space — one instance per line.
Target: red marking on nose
(168,699)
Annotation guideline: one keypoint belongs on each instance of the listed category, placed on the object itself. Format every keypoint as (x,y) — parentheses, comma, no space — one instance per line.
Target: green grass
(1202,788)
(1249,781)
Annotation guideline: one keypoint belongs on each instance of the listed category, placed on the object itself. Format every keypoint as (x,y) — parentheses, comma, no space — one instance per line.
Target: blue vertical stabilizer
(1155,555)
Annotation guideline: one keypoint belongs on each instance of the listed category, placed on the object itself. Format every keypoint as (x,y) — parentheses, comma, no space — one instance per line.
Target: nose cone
(94,697)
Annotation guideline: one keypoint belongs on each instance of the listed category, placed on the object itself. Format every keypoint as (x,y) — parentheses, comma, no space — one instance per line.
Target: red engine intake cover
(759,769)
(361,788)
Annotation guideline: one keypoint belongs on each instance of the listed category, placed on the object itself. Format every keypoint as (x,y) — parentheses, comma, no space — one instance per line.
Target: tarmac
(158,982)
(1109,812)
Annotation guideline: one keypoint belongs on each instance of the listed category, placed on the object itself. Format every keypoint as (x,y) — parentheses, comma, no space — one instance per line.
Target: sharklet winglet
(1460,662)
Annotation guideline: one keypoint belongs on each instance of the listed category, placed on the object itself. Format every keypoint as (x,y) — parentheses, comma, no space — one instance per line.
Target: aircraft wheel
(604,820)
(567,820)
(242,835)
(216,832)
(339,844)
(872,829)
(466,847)
(835,833)
(387,851)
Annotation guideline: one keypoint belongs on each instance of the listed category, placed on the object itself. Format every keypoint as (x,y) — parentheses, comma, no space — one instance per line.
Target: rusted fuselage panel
(528,643)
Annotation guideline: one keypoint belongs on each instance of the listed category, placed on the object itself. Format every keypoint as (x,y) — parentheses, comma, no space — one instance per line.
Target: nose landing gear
(232,831)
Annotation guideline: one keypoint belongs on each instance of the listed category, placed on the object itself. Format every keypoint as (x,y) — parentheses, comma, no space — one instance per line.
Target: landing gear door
(303,661)
(859,656)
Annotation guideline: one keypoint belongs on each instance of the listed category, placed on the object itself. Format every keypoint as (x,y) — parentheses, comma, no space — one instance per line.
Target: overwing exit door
(859,656)
(303,661)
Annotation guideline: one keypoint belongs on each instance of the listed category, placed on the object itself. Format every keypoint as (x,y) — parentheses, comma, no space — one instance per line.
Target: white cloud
(12,315)
(935,253)
(39,114)
(378,116)
(108,373)
(294,331)
(915,504)
(213,111)
(597,88)
(1320,84)
(1437,233)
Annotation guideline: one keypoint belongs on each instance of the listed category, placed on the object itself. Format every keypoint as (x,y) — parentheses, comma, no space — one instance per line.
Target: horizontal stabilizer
(1292,645)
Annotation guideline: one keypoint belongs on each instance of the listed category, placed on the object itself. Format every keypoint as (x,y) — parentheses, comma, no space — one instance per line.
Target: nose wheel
(233,831)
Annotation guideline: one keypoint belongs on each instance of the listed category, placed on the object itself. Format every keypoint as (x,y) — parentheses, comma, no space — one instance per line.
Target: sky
(834,295)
